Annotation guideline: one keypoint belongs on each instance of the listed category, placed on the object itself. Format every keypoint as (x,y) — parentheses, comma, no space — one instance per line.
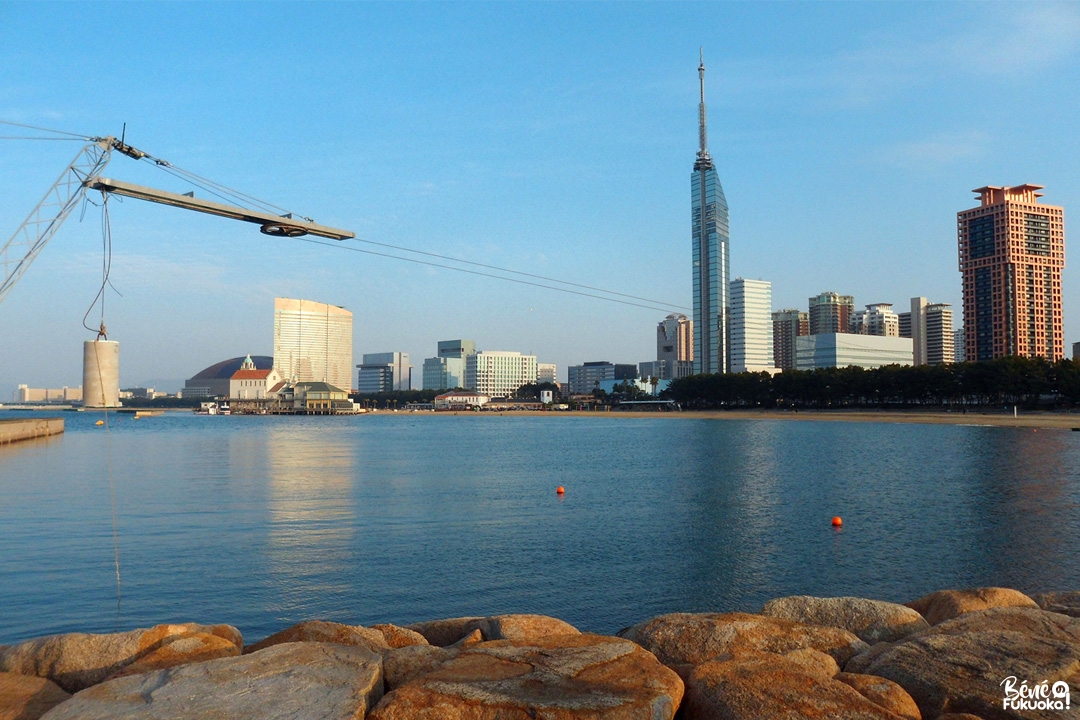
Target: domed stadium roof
(225,369)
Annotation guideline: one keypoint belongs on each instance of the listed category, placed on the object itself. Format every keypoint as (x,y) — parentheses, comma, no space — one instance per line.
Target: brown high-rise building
(1012,251)
(831,313)
(787,325)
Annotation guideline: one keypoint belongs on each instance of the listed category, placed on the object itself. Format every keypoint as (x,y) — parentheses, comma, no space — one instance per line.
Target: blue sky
(551,138)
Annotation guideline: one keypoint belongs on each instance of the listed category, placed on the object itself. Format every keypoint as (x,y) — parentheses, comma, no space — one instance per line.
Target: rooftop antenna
(703,152)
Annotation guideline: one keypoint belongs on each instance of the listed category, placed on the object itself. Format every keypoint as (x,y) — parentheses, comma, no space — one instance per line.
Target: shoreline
(1047,420)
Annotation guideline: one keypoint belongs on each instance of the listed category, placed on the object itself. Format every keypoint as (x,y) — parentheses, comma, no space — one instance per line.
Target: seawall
(19,429)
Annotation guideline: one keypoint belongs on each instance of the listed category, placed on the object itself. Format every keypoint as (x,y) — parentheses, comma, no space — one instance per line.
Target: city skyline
(839,132)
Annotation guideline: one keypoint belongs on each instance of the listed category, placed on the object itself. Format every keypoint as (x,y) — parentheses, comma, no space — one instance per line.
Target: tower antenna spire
(703,151)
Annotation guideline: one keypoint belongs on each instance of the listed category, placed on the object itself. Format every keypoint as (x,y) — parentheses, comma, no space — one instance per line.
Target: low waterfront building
(213,381)
(461,400)
(250,383)
(831,350)
(26,394)
(582,379)
(304,398)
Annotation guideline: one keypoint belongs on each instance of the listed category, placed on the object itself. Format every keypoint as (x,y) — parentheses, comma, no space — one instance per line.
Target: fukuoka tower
(709,216)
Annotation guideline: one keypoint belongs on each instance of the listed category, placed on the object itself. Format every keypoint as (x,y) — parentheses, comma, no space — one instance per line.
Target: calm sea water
(261,522)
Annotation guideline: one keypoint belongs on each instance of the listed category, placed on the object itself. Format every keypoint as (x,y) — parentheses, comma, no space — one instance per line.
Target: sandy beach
(1058,421)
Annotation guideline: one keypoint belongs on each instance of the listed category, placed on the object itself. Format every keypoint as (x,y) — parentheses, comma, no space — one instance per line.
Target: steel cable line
(483,274)
(41,129)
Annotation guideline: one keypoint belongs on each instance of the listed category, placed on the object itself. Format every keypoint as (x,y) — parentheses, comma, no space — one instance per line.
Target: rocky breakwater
(948,655)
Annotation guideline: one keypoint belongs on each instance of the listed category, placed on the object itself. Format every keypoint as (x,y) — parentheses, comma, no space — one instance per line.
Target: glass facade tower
(709,222)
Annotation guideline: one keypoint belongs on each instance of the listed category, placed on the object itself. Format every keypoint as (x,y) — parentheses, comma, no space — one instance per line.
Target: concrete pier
(19,429)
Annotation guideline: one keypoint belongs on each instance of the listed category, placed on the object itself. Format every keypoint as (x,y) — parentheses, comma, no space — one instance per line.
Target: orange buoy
(100,422)
(560,490)
(837,522)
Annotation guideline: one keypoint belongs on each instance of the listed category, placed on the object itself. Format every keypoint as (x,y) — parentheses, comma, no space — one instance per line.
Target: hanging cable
(27,137)
(483,274)
(41,129)
(516,272)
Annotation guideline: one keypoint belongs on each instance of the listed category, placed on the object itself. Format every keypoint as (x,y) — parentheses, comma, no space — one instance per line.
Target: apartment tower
(751,325)
(709,231)
(831,313)
(930,328)
(1012,252)
(787,325)
(675,347)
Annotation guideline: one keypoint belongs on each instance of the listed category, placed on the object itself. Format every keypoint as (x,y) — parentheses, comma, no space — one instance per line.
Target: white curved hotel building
(313,342)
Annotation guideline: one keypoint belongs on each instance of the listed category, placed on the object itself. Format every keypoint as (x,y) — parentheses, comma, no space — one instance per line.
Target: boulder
(872,620)
(557,677)
(958,665)
(814,662)
(520,628)
(185,649)
(405,664)
(283,682)
(78,660)
(324,631)
(946,604)
(882,692)
(757,685)
(1066,603)
(694,638)
(397,637)
(28,697)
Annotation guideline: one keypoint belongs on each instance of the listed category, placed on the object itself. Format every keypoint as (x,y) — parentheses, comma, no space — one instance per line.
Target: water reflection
(310,475)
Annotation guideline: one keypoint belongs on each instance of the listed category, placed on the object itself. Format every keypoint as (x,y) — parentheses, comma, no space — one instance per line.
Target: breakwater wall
(17,430)
(972,654)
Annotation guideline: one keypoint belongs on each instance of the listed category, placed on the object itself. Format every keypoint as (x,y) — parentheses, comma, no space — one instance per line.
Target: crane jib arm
(270,223)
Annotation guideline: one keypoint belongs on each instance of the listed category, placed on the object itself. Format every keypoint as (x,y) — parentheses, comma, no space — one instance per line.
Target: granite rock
(398,637)
(520,628)
(765,685)
(556,677)
(28,697)
(78,660)
(284,682)
(882,692)
(944,605)
(325,631)
(872,620)
(694,638)
(958,666)
(1066,603)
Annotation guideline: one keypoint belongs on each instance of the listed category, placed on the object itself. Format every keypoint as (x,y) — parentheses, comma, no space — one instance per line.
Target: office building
(499,374)
(931,332)
(831,313)
(313,342)
(384,372)
(904,320)
(27,394)
(751,326)
(546,373)
(834,350)
(1012,252)
(674,348)
(709,232)
(877,319)
(446,370)
(583,379)
(1076,351)
(787,325)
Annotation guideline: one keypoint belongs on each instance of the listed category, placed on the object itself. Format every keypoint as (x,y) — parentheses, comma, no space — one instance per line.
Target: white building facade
(313,342)
(499,373)
(751,326)
(833,350)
